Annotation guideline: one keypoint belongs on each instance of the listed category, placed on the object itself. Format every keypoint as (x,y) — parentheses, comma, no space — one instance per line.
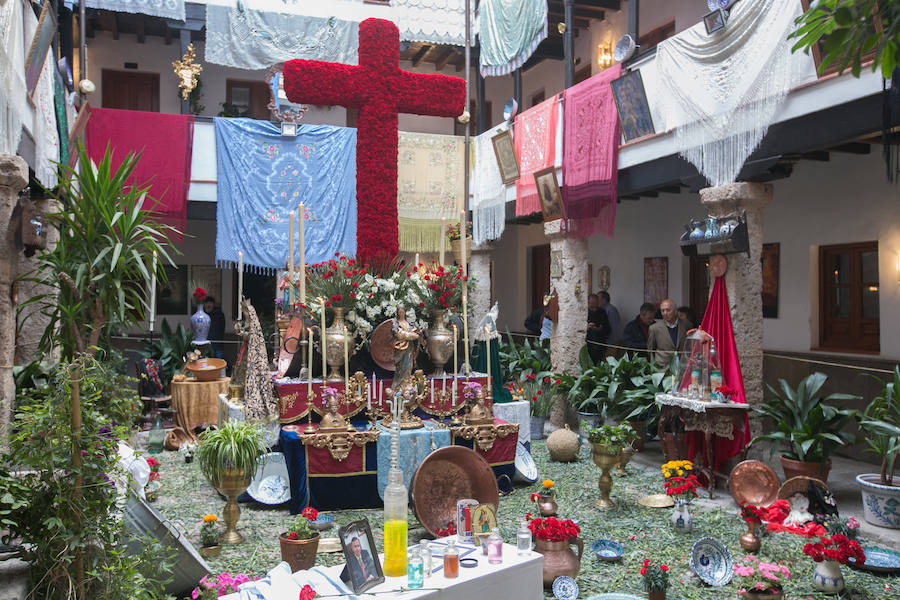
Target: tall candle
(240,294)
(301,223)
(309,396)
(465,316)
(455,367)
(291,255)
(346,363)
(465,290)
(322,341)
(443,239)
(153,292)
(487,352)
(462,242)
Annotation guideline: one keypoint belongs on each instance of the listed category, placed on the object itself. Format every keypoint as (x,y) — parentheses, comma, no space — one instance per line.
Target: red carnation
(307,593)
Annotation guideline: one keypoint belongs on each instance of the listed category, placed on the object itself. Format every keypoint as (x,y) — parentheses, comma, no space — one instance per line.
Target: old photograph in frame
(549,193)
(505,152)
(40,44)
(656,279)
(631,103)
(363,569)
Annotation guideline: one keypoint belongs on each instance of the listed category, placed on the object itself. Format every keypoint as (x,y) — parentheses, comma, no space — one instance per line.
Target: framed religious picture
(770,259)
(506,156)
(656,279)
(548,192)
(40,44)
(631,103)
(363,569)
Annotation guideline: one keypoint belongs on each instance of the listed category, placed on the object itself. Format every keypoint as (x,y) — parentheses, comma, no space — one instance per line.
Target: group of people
(657,339)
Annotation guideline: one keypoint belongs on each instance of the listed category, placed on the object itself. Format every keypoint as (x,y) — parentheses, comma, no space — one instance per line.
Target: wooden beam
(607,4)
(817,155)
(420,56)
(167,35)
(558,17)
(110,22)
(852,148)
(580,11)
(442,58)
(141,32)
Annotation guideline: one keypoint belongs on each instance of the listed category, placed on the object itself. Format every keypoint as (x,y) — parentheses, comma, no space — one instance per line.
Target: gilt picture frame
(549,193)
(507,161)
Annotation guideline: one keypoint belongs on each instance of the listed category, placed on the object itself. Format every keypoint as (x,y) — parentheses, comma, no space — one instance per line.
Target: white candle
(465,290)
(291,256)
(432,389)
(443,239)
(462,241)
(240,293)
(309,396)
(416,269)
(487,352)
(346,363)
(301,223)
(369,394)
(455,368)
(322,342)
(153,292)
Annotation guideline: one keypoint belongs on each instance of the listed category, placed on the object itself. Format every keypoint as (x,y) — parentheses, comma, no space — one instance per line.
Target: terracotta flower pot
(656,595)
(299,554)
(796,468)
(559,558)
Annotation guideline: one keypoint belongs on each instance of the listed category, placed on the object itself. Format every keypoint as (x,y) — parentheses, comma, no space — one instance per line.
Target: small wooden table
(197,402)
(709,418)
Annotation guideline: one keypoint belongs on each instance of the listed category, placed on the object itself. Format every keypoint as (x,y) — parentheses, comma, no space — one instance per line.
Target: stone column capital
(13,172)
(731,198)
(554,230)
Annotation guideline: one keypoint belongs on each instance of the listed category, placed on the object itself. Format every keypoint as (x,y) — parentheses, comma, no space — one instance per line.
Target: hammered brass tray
(445,476)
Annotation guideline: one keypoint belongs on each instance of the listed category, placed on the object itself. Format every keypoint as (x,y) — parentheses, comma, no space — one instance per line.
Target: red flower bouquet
(199,294)
(443,288)
(683,488)
(552,529)
(751,513)
(838,548)
(337,281)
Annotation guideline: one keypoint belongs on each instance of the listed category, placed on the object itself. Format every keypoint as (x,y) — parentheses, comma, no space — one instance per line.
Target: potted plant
(760,580)
(228,458)
(187,450)
(553,538)
(607,443)
(881,422)
(830,553)
(656,579)
(537,390)
(681,484)
(807,428)
(545,499)
(209,536)
(455,236)
(589,390)
(300,542)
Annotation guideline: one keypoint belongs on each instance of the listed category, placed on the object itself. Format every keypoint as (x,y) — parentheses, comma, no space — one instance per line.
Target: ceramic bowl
(206,369)
(565,588)
(271,484)
(608,550)
(711,561)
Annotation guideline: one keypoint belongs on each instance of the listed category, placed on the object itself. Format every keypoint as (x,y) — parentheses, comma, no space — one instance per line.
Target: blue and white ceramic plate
(270,484)
(565,588)
(608,550)
(323,522)
(526,470)
(879,560)
(711,561)
(616,596)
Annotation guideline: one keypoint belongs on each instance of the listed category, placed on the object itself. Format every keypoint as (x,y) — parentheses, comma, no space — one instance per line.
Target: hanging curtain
(44,132)
(262,176)
(488,191)
(12,76)
(590,161)
(430,186)
(165,9)
(535,141)
(720,92)
(510,31)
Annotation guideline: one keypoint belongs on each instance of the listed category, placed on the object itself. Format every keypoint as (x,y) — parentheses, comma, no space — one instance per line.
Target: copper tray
(289,345)
(445,476)
(381,346)
(754,482)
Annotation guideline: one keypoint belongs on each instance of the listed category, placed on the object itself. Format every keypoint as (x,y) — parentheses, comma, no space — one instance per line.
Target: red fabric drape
(165,143)
(717,322)
(535,140)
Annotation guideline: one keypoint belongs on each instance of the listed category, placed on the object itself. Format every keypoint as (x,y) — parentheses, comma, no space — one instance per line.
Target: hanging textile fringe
(510,32)
(720,92)
(488,191)
(419,235)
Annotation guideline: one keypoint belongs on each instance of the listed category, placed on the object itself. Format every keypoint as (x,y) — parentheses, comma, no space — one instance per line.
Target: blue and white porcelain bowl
(878,560)
(565,588)
(711,561)
(608,550)
(271,484)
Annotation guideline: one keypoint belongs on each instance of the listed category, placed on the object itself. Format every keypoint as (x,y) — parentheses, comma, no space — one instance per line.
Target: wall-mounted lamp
(604,56)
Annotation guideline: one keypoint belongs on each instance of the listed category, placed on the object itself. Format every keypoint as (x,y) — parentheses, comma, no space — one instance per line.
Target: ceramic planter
(537,427)
(828,577)
(682,521)
(881,503)
(796,468)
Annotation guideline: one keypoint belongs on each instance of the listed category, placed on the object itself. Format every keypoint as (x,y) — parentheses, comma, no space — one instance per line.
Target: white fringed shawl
(488,191)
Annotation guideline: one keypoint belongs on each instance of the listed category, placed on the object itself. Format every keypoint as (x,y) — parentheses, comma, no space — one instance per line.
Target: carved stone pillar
(13,179)
(743,280)
(32,321)
(568,277)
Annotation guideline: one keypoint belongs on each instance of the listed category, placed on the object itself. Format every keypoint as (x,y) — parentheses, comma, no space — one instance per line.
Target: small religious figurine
(332,420)
(406,345)
(478,414)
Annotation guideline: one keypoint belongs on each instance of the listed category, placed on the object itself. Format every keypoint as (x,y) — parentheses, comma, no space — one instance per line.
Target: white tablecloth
(517,578)
(516,412)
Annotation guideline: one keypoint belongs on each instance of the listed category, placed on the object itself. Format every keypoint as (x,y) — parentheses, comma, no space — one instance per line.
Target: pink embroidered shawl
(535,139)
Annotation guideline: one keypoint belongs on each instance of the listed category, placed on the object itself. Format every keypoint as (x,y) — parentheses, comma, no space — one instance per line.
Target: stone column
(568,277)
(480,269)
(13,179)
(743,280)
(32,321)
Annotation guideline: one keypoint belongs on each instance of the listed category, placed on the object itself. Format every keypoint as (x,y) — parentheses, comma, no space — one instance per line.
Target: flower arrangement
(848,527)
(453,230)
(223,585)
(656,577)
(537,389)
(209,531)
(552,529)
(546,490)
(443,288)
(725,392)
(300,528)
(838,548)
(448,531)
(154,468)
(307,593)
(680,482)
(337,281)
(760,577)
(199,294)
(751,513)
(470,391)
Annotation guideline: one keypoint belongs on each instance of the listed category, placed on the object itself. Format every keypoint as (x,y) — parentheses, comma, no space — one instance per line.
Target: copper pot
(299,554)
(749,542)
(559,558)
(547,505)
(795,468)
(655,594)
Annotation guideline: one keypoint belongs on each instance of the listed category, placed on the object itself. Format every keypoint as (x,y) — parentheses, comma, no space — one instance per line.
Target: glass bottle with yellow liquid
(395,507)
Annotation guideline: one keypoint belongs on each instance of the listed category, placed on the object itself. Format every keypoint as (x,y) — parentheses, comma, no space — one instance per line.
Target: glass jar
(451,560)
(395,526)
(425,553)
(495,547)
(157,436)
(523,539)
(414,571)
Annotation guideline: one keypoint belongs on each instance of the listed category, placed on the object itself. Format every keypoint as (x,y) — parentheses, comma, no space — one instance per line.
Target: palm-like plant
(101,265)
(881,422)
(807,428)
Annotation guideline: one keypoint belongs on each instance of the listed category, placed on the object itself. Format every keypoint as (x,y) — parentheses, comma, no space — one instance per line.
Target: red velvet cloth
(165,143)
(320,462)
(717,322)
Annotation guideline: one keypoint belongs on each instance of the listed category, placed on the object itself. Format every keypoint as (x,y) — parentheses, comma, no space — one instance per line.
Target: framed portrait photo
(363,569)
(40,44)
(548,191)
(631,104)
(506,156)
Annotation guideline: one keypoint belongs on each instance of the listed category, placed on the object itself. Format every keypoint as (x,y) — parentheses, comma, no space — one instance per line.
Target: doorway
(130,90)
(540,275)
(699,296)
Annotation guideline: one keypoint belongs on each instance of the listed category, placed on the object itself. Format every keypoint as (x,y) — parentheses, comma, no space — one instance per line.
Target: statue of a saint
(406,339)
(332,420)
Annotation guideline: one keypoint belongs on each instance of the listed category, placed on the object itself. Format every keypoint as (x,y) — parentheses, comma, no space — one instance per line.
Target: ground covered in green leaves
(645,532)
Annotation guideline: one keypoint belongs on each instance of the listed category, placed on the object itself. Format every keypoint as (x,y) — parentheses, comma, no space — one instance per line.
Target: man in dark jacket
(597,328)
(635,335)
(216,326)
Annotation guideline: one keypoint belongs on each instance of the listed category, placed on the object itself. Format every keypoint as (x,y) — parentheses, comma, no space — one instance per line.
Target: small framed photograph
(40,44)
(506,156)
(363,569)
(548,191)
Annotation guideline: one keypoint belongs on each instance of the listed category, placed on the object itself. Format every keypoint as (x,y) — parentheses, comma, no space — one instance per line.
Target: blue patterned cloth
(415,445)
(263,175)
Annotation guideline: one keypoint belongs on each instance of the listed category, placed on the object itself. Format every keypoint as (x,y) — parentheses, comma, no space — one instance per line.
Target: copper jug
(559,558)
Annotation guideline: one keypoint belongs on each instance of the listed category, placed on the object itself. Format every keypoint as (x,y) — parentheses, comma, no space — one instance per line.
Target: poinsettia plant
(760,577)
(552,529)
(837,547)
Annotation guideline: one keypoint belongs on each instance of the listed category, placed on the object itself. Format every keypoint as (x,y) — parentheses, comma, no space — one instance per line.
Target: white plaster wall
(656,13)
(512,268)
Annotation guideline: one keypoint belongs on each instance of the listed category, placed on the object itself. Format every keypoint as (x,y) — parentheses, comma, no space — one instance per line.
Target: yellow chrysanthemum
(688,467)
(548,483)
(210,518)
(680,472)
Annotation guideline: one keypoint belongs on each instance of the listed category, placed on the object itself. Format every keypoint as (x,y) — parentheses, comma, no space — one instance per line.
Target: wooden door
(130,90)
(849,309)
(540,274)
